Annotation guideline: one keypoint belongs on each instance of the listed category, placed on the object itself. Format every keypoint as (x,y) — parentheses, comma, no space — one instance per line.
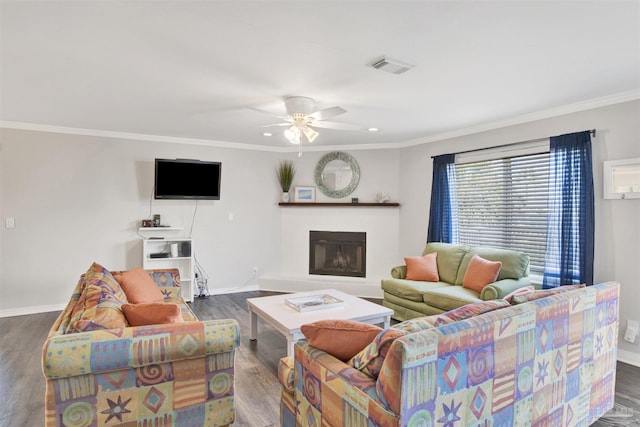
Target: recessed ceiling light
(373,129)
(267,134)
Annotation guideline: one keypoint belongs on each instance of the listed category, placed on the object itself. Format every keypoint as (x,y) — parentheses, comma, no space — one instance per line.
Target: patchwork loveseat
(175,374)
(413,298)
(544,362)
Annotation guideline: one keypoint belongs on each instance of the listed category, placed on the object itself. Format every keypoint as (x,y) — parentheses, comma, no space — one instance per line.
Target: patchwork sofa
(413,298)
(544,362)
(175,374)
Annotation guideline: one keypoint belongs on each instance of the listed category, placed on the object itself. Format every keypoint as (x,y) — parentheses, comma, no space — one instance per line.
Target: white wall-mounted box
(622,179)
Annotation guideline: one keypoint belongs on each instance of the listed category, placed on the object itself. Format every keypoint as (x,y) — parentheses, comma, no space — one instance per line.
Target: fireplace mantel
(337,204)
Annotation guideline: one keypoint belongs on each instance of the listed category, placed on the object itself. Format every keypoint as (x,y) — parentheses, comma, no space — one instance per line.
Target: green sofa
(410,298)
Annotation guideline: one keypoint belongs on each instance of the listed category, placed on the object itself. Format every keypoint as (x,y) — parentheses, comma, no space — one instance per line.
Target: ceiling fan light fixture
(310,133)
(292,134)
(301,119)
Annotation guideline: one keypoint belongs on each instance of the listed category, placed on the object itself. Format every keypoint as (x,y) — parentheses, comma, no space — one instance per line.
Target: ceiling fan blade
(269,113)
(327,113)
(334,125)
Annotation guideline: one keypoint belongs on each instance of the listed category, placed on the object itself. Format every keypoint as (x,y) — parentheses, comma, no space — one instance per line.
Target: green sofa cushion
(449,258)
(450,297)
(515,265)
(410,289)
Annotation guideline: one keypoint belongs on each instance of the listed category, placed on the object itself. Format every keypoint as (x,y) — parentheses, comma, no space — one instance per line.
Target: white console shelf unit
(184,262)
(158,229)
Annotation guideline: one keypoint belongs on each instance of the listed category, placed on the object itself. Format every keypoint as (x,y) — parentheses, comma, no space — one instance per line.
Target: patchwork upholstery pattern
(542,293)
(370,359)
(287,409)
(100,301)
(548,362)
(330,393)
(469,310)
(285,373)
(417,324)
(179,374)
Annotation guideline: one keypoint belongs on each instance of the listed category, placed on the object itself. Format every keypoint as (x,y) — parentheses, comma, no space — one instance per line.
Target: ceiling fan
(301,119)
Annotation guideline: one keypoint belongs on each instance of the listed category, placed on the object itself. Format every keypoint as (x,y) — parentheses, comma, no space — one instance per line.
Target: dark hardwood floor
(257,388)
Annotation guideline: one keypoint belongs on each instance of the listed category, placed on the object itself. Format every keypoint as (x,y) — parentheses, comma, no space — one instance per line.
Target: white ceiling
(205,69)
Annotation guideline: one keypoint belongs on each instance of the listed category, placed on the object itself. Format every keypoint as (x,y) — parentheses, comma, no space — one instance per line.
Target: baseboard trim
(629,357)
(31,310)
(247,288)
(356,288)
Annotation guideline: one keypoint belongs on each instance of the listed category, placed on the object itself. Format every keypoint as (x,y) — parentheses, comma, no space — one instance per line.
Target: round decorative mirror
(337,174)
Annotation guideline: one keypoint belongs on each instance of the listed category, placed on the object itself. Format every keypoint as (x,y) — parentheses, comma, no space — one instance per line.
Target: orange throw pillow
(480,273)
(154,313)
(139,286)
(423,268)
(342,339)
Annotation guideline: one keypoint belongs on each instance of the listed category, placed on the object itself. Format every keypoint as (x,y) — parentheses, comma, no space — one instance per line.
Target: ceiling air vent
(391,65)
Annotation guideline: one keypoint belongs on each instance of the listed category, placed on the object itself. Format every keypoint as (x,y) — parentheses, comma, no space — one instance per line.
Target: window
(503,203)
(511,198)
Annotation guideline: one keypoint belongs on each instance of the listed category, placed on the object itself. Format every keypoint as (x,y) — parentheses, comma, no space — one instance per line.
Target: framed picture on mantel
(304,194)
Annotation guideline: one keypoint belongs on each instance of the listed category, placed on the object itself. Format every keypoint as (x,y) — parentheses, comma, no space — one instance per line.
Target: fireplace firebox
(338,253)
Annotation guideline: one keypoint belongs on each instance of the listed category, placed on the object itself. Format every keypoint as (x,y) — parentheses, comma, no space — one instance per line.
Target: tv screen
(187,179)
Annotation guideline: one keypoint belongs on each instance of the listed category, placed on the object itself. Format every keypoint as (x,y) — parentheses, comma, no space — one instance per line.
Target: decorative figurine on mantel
(382,197)
(285,173)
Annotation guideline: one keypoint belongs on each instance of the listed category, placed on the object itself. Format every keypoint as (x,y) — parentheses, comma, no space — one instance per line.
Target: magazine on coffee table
(313,302)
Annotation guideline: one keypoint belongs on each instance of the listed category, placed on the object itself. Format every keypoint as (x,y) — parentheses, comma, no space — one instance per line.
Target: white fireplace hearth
(382,244)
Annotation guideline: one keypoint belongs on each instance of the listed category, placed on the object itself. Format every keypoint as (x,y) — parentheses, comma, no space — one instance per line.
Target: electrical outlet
(631,332)
(255,271)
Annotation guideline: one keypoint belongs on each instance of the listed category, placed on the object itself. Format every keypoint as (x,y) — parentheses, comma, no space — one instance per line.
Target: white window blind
(502,203)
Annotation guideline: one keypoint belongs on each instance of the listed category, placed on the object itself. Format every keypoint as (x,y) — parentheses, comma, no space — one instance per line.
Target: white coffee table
(287,320)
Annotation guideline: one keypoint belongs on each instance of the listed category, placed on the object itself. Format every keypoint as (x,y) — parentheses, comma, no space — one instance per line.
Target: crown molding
(135,136)
(191,141)
(346,147)
(603,101)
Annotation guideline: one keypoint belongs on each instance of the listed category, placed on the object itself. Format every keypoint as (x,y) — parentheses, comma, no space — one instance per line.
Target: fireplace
(338,253)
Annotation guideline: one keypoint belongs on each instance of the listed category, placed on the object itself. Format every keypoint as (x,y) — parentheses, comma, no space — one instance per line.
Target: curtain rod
(592,131)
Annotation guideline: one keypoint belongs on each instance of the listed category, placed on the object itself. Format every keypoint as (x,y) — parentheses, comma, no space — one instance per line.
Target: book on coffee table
(313,302)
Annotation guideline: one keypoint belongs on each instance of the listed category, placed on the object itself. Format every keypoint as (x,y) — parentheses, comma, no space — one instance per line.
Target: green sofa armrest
(502,288)
(117,349)
(399,272)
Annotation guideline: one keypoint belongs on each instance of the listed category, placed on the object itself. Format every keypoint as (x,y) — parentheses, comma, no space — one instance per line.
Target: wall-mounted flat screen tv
(187,179)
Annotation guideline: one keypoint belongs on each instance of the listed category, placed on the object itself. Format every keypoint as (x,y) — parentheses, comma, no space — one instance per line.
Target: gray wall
(379,172)
(617,254)
(79,199)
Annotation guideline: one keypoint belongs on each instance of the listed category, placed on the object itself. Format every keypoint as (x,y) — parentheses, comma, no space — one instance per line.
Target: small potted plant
(285,172)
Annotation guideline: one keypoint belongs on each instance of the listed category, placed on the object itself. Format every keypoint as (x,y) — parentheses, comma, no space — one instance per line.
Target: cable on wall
(193,218)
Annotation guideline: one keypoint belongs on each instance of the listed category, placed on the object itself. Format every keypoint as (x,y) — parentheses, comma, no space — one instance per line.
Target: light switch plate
(10,222)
